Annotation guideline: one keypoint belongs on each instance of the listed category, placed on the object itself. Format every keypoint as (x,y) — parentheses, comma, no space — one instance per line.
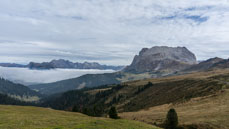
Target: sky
(110,31)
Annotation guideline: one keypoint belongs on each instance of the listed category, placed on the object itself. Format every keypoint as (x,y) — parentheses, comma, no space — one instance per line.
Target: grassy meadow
(19,117)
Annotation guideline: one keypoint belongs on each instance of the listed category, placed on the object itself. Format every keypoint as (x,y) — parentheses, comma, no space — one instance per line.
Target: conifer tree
(171,120)
(113,113)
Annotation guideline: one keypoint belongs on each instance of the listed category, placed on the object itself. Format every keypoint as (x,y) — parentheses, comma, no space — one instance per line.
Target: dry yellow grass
(211,110)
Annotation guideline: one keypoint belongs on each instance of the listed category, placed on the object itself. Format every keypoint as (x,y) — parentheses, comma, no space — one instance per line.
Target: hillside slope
(13,117)
(145,94)
(137,95)
(6,100)
(18,91)
(209,112)
(89,80)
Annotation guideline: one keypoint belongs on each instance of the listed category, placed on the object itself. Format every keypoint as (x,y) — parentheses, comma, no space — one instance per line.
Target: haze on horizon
(110,31)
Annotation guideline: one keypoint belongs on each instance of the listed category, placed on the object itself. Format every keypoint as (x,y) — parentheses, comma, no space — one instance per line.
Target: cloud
(110,31)
(27,77)
(195,18)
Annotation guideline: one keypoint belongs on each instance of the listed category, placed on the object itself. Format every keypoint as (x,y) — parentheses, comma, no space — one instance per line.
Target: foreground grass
(18,117)
(211,111)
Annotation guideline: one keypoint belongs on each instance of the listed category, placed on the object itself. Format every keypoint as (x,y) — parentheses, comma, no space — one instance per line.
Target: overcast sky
(110,31)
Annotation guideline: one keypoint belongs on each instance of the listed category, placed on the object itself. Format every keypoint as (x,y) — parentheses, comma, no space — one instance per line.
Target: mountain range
(150,63)
(65,64)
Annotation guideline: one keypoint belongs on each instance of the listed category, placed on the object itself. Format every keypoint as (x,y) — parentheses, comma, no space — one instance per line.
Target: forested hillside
(136,95)
(18,91)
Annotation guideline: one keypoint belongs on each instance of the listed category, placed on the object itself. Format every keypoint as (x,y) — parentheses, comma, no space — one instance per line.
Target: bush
(171,120)
(113,113)
(75,109)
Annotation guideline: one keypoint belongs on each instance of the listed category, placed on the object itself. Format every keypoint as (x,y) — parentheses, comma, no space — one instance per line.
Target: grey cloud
(109,31)
(195,18)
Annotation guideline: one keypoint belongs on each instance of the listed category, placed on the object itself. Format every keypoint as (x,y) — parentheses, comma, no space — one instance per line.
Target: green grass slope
(18,117)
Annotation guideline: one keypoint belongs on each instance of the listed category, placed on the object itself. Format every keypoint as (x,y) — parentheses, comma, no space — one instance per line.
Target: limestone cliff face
(162,59)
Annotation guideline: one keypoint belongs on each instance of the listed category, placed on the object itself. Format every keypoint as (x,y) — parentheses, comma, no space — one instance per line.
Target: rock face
(162,58)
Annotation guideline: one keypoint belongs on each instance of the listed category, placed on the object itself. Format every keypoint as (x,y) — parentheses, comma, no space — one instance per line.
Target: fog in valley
(28,77)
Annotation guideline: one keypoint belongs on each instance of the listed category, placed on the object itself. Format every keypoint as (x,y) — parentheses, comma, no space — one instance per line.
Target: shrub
(171,120)
(113,113)
(75,109)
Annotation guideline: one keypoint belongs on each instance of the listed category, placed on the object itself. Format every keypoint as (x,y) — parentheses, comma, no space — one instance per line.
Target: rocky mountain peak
(175,53)
(161,58)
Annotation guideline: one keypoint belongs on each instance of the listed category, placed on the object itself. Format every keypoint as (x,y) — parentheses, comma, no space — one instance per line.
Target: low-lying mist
(27,76)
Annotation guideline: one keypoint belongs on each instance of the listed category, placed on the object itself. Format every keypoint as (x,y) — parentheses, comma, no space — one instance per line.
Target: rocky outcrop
(162,58)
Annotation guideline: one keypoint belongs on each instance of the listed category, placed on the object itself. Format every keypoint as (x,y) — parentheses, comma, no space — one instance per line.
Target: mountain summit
(162,58)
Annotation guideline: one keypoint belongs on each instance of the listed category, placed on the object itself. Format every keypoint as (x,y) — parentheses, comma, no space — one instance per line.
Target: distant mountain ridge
(65,64)
(12,65)
(206,65)
(61,63)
